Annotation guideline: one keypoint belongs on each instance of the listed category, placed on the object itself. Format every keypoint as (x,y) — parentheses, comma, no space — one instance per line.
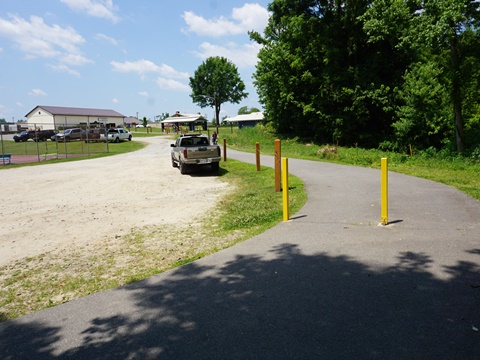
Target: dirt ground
(54,207)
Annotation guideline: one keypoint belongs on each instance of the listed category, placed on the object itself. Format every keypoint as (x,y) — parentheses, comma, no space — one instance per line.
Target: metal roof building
(251,119)
(190,120)
(54,117)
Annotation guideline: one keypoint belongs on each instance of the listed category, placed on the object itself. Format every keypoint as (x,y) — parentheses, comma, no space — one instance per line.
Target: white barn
(57,117)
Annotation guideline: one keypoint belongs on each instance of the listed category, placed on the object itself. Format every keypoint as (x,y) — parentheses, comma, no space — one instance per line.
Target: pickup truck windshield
(194,141)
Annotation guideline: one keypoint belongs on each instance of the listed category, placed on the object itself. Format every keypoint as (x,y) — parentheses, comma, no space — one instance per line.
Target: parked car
(117,135)
(95,135)
(43,135)
(24,136)
(194,150)
(69,134)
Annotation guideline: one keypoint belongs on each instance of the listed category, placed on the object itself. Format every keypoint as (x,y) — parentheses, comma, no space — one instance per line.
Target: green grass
(459,172)
(90,150)
(72,147)
(145,132)
(257,208)
(53,278)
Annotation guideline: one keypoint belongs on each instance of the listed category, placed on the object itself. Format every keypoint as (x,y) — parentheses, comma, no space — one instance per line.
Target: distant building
(247,119)
(132,121)
(57,117)
(190,120)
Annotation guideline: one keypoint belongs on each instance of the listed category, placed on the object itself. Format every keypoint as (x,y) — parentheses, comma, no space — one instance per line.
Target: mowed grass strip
(248,207)
(455,170)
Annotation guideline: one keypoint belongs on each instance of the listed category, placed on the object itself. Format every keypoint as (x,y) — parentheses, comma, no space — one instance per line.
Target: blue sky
(129,56)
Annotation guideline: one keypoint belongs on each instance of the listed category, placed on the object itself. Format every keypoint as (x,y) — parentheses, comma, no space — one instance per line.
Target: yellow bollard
(286,215)
(384,191)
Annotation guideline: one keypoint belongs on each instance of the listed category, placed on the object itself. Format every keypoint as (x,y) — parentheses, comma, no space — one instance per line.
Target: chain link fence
(26,143)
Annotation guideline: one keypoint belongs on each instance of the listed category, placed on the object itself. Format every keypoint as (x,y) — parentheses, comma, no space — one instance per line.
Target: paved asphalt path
(328,284)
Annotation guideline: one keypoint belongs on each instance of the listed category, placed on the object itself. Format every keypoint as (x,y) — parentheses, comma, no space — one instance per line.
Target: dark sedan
(24,136)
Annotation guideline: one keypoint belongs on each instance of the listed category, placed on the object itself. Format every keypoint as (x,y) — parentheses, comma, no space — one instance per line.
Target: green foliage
(75,150)
(53,278)
(215,82)
(319,77)
(388,72)
(246,110)
(446,165)
(250,207)
(423,119)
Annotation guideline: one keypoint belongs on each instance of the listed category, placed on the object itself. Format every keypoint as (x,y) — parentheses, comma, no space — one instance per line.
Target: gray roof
(59,110)
(255,116)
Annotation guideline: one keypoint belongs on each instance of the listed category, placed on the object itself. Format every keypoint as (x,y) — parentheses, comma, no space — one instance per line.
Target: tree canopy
(246,110)
(377,73)
(215,82)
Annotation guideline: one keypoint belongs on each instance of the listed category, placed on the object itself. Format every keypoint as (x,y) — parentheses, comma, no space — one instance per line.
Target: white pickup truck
(195,150)
(117,135)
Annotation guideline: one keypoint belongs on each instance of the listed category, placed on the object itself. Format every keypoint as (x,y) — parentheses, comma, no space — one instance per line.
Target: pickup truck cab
(43,135)
(117,135)
(195,150)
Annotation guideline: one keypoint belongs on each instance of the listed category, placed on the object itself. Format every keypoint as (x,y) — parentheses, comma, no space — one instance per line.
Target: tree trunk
(217,115)
(457,94)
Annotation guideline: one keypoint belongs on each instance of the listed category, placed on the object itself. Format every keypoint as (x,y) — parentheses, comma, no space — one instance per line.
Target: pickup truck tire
(117,139)
(183,168)
(215,166)
(130,138)
(174,164)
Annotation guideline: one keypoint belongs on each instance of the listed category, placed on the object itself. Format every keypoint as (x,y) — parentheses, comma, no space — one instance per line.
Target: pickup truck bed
(195,150)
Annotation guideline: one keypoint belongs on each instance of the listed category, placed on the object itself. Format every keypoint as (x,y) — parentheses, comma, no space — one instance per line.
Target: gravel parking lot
(54,207)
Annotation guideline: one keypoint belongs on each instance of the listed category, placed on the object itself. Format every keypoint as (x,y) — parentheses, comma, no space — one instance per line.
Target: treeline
(377,74)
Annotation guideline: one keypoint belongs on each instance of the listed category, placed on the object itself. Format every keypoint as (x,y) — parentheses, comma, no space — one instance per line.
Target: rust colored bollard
(257,155)
(224,149)
(278,165)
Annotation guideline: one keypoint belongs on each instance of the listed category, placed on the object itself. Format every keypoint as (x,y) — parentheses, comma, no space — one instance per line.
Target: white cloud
(115,101)
(75,59)
(170,72)
(103,37)
(62,68)
(168,79)
(37,92)
(102,9)
(143,93)
(248,17)
(171,84)
(39,40)
(142,67)
(242,56)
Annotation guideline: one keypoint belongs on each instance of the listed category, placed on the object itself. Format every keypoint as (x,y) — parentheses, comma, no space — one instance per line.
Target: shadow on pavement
(289,306)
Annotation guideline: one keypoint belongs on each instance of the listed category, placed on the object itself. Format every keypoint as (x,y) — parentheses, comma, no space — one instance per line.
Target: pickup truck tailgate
(202,152)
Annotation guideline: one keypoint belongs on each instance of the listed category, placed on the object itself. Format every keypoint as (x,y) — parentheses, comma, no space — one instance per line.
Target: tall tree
(449,26)
(246,110)
(215,82)
(443,33)
(319,77)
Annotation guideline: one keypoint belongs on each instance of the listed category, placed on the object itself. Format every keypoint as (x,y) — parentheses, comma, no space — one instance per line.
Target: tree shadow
(286,306)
